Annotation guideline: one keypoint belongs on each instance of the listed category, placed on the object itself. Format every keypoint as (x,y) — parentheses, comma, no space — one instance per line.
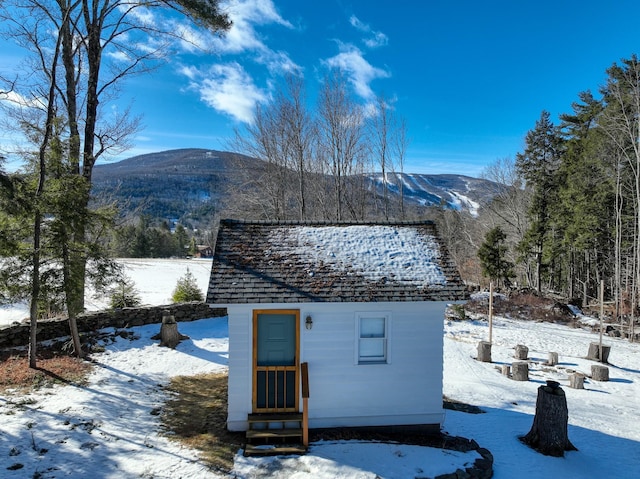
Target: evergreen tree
(492,254)
(538,165)
(124,294)
(187,289)
(181,240)
(587,194)
(193,247)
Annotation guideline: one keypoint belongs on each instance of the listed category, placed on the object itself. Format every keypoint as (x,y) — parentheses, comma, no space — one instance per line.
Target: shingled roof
(294,262)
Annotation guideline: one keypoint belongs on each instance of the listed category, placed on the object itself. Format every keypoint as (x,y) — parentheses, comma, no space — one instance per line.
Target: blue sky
(470,78)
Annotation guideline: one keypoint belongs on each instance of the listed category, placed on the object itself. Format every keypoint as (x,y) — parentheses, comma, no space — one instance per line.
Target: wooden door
(275,360)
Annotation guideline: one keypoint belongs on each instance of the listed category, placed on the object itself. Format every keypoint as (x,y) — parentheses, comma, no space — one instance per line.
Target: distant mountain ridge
(458,192)
(189,182)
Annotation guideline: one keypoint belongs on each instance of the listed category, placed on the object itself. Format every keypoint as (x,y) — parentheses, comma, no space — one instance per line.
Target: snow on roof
(404,255)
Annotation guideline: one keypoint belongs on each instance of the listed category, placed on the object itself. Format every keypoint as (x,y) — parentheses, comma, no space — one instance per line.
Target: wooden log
(553,359)
(599,372)
(594,352)
(549,432)
(521,352)
(520,371)
(169,335)
(576,381)
(506,370)
(484,351)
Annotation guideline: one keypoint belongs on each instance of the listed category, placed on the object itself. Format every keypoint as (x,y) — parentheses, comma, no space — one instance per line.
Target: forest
(566,221)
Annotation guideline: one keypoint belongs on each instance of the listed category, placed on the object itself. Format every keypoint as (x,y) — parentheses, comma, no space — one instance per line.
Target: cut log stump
(548,434)
(599,372)
(506,370)
(484,351)
(521,352)
(520,371)
(576,381)
(594,352)
(169,335)
(553,359)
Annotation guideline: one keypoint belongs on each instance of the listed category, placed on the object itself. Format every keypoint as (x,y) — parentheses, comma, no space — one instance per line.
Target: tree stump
(506,370)
(548,434)
(576,381)
(594,352)
(521,352)
(520,371)
(169,335)
(599,372)
(484,351)
(553,359)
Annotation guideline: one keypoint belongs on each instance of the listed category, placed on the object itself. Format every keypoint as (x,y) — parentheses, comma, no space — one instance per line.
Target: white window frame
(385,357)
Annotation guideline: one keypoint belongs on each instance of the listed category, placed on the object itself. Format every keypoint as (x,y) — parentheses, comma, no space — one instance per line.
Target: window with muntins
(372,338)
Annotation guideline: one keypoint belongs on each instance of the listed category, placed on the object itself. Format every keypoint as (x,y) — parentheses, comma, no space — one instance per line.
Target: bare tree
(621,123)
(400,144)
(381,130)
(300,132)
(340,144)
(509,204)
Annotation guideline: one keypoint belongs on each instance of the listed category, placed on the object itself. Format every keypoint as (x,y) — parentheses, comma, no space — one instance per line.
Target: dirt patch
(53,366)
(196,415)
(523,305)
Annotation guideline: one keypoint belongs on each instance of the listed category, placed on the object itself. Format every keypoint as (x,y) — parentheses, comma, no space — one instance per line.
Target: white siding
(406,391)
(240,367)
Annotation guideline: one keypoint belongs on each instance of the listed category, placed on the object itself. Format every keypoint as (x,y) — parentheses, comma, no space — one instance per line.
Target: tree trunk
(599,372)
(521,352)
(576,381)
(484,351)
(548,434)
(594,352)
(169,335)
(520,371)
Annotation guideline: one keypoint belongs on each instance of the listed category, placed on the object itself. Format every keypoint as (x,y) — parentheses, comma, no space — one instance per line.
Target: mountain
(172,184)
(458,192)
(189,184)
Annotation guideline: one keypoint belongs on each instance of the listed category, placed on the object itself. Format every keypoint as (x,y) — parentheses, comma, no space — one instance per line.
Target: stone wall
(18,334)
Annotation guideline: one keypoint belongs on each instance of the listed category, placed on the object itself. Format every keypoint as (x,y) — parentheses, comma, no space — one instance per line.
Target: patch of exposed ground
(53,366)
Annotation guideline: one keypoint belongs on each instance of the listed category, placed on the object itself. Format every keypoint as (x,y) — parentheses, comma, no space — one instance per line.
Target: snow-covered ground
(106,429)
(154,280)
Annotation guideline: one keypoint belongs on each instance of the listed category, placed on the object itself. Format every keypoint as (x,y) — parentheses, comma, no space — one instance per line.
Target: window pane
(372,349)
(372,327)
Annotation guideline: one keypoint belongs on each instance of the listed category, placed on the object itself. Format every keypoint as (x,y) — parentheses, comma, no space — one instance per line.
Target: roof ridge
(232,221)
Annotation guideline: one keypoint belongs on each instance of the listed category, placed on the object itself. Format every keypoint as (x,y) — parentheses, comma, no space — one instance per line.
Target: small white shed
(360,305)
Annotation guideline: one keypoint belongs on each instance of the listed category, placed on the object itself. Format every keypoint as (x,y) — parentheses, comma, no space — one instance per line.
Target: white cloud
(242,35)
(19,100)
(360,72)
(375,38)
(119,56)
(191,72)
(279,62)
(229,90)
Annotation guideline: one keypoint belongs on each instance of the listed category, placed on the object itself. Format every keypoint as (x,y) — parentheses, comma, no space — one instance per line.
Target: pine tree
(186,289)
(492,254)
(124,294)
(538,165)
